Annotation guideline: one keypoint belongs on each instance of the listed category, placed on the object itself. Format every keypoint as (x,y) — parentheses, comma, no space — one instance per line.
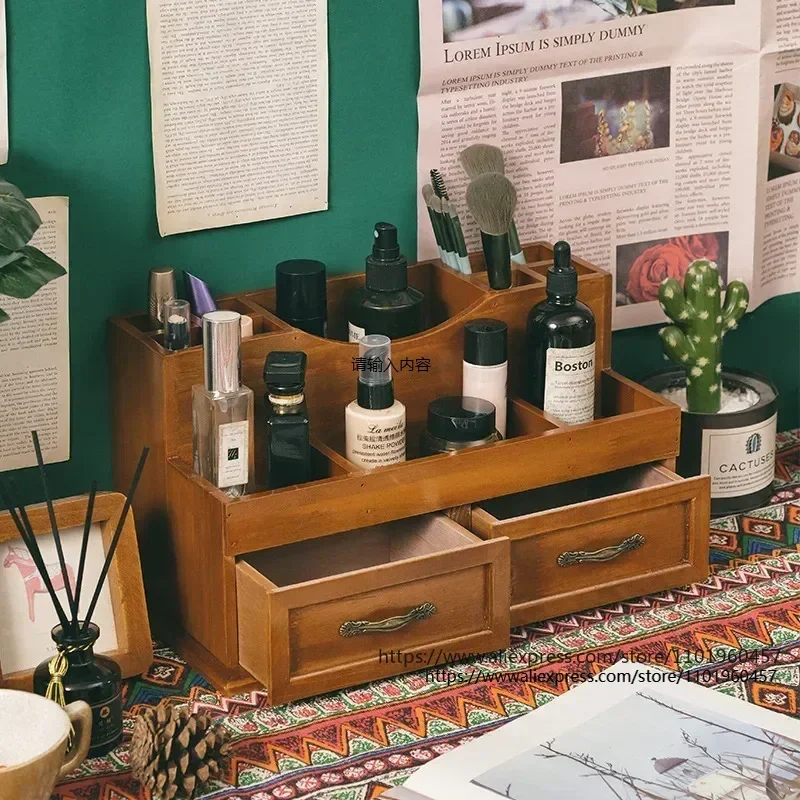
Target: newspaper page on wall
(239,96)
(34,354)
(647,133)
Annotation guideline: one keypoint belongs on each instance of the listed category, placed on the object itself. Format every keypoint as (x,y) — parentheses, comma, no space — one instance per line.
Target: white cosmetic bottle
(485,372)
(375,423)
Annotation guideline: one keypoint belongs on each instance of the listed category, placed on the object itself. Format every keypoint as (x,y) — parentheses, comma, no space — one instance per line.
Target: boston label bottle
(560,341)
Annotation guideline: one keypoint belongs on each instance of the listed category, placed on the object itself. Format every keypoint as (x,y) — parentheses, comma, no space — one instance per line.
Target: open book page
(634,136)
(634,732)
(34,354)
(239,95)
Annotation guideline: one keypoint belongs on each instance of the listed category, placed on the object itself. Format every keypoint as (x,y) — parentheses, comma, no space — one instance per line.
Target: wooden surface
(198,535)
(671,513)
(134,652)
(293,601)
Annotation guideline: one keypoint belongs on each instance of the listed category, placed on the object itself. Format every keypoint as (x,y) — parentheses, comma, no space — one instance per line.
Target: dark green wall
(80,126)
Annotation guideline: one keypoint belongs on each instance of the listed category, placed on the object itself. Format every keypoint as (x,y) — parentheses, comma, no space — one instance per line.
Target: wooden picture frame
(124,585)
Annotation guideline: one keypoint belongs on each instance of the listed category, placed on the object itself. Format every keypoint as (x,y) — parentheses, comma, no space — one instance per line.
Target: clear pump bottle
(375,423)
(222,409)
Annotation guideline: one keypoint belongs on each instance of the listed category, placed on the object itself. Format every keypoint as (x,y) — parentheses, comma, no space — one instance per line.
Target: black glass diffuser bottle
(560,341)
(95,679)
(288,447)
(386,304)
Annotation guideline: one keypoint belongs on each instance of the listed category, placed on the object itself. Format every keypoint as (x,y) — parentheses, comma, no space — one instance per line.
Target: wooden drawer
(599,540)
(308,611)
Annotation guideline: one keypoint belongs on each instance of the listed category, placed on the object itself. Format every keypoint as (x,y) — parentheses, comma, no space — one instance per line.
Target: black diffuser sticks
(70,623)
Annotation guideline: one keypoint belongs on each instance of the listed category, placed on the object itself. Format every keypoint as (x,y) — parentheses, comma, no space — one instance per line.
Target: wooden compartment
(191,534)
(323,614)
(600,539)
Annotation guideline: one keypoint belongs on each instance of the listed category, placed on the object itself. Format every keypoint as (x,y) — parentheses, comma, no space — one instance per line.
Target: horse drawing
(22,560)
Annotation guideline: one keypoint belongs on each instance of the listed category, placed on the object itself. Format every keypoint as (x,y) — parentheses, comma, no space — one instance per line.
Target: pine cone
(174,753)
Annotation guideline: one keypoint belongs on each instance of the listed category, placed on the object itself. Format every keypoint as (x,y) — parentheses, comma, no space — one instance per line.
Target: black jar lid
(485,342)
(285,371)
(461,419)
(300,289)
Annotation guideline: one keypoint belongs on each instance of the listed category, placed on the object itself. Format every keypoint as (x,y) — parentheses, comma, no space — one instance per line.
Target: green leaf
(18,218)
(3,316)
(25,276)
(649,5)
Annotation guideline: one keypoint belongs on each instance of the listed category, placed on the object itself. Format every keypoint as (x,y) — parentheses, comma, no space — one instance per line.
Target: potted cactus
(729,417)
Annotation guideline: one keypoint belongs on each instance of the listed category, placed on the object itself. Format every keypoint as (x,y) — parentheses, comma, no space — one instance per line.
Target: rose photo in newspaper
(642,266)
(466,20)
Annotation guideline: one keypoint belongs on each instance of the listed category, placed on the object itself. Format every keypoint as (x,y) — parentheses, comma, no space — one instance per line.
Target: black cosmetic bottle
(95,679)
(301,295)
(386,305)
(560,341)
(288,448)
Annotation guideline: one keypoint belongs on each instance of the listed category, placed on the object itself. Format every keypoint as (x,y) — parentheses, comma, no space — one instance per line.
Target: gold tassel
(58,667)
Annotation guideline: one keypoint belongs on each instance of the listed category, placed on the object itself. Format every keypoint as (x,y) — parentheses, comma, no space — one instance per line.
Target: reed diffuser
(76,672)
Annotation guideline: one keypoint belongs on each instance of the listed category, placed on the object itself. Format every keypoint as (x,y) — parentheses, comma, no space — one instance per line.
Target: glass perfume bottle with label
(222,409)
(288,445)
(560,341)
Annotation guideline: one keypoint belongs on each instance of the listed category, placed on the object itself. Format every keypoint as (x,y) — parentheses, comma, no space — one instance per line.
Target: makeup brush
(449,208)
(435,205)
(115,540)
(492,200)
(54,527)
(87,525)
(449,243)
(478,159)
(427,194)
(437,181)
(454,223)
(29,539)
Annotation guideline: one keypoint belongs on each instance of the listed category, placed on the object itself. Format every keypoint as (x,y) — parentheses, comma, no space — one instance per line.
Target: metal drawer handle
(606,554)
(356,628)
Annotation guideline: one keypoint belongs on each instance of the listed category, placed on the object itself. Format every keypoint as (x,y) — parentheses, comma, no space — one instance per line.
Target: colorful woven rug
(352,745)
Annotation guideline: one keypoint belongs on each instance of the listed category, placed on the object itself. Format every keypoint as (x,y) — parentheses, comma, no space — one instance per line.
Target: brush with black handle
(492,200)
(437,223)
(478,159)
(450,214)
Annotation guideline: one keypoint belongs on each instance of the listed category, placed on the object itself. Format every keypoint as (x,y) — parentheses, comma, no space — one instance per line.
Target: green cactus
(701,320)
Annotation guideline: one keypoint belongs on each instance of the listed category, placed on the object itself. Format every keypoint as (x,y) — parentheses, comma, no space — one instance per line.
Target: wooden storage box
(194,539)
(600,539)
(327,613)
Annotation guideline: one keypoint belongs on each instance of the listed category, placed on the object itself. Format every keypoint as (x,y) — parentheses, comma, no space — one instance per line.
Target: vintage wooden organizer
(228,605)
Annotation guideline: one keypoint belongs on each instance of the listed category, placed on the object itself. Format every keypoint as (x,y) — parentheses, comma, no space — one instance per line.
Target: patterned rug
(353,744)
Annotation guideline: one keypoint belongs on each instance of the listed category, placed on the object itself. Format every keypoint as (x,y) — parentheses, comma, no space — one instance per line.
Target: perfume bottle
(375,423)
(386,304)
(560,341)
(95,679)
(222,409)
(288,447)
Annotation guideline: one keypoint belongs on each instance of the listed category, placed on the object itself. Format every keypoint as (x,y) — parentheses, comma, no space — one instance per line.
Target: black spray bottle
(386,305)
(288,447)
(560,342)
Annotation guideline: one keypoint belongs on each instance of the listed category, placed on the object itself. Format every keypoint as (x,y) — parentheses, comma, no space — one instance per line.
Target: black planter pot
(737,449)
